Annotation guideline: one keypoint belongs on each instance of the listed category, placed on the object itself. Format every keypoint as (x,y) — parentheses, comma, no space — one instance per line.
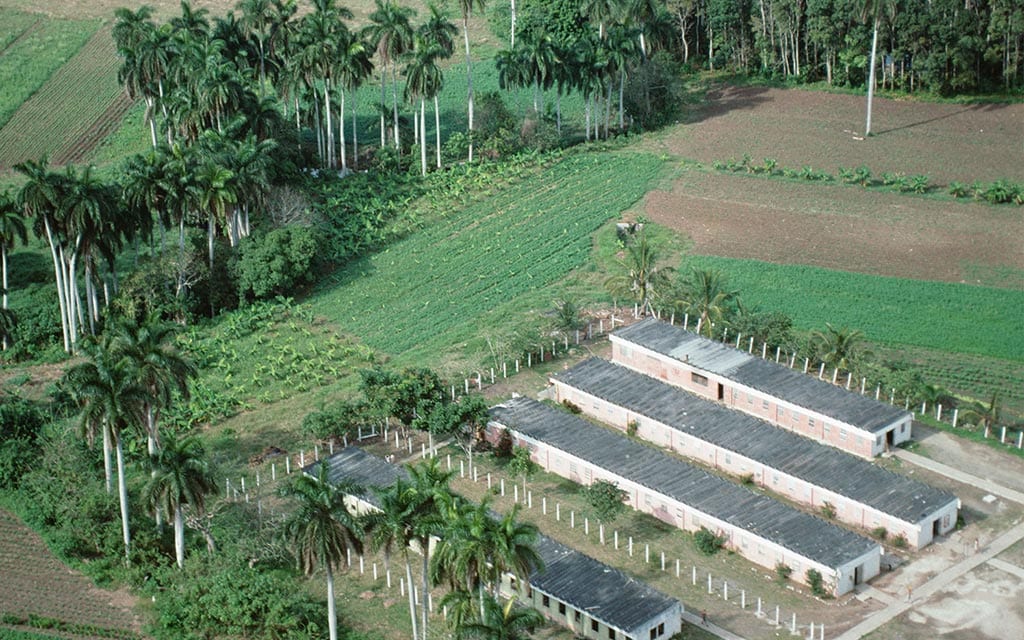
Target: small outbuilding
(787,398)
(588,597)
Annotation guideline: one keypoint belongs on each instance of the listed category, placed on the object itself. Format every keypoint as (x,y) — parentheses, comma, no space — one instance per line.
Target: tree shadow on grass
(722,99)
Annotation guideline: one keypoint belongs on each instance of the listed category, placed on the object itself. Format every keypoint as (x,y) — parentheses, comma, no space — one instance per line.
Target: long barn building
(758,527)
(588,597)
(860,493)
(785,397)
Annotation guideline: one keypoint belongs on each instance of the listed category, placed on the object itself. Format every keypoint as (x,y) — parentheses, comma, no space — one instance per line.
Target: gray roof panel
(774,379)
(733,430)
(803,534)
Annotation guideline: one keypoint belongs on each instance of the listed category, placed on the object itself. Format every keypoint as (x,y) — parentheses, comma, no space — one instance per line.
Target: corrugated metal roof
(803,534)
(776,380)
(823,466)
(575,578)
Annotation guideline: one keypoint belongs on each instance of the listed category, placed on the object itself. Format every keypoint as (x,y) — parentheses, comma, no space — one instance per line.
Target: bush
(342,418)
(632,428)
(828,510)
(606,498)
(816,583)
(708,542)
(879,533)
(782,572)
(275,263)
(900,541)
(503,450)
(747,479)
(572,407)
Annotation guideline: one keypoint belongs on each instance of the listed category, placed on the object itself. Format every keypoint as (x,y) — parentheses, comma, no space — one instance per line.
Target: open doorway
(721,391)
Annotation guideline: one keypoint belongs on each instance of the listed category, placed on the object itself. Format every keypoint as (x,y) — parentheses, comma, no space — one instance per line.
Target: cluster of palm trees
(463,546)
(130,374)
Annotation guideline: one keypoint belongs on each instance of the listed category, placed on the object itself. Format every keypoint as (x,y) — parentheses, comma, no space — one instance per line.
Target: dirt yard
(945,141)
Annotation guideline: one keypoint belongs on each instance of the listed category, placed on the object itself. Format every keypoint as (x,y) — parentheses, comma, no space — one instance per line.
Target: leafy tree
(276,262)
(606,499)
(521,464)
(497,621)
(321,530)
(708,542)
(21,423)
(182,476)
(463,420)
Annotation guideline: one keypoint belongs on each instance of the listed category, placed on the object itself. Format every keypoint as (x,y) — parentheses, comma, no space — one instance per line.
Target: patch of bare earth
(35,582)
(945,141)
(840,227)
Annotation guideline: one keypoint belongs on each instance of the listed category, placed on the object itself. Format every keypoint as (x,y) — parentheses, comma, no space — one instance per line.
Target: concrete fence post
(956,415)
(709,584)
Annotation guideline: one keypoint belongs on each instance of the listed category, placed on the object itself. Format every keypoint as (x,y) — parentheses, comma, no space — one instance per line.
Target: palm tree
(838,348)
(438,32)
(463,554)
(705,296)
(111,401)
(514,548)
(643,278)
(603,12)
(873,9)
(217,189)
(423,80)
(182,476)
(391,526)
(322,530)
(353,68)
(429,490)
(467,7)
(12,228)
(498,622)
(259,18)
(985,415)
(392,35)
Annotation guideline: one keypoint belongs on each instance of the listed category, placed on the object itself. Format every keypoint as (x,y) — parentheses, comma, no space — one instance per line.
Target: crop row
(950,317)
(449,276)
(31,60)
(50,122)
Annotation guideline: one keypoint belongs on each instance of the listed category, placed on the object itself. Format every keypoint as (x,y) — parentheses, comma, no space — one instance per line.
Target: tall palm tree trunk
(59,277)
(332,612)
(383,94)
(179,536)
(871,78)
(412,598)
(355,134)
(341,128)
(424,593)
(394,105)
(437,131)
(469,82)
(108,469)
(423,135)
(122,490)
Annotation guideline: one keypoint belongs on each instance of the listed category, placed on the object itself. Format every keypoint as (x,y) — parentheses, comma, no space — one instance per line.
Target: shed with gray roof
(589,597)
(757,527)
(860,492)
(785,397)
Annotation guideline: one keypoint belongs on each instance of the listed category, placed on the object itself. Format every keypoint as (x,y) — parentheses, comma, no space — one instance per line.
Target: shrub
(276,262)
(828,510)
(747,479)
(707,542)
(782,572)
(606,498)
(863,176)
(572,407)
(632,427)
(900,541)
(342,418)
(769,165)
(847,176)
(503,450)
(816,583)
(958,189)
(918,183)
(879,533)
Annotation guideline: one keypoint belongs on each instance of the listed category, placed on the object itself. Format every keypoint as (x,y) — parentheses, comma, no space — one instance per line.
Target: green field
(949,317)
(29,61)
(468,273)
(51,122)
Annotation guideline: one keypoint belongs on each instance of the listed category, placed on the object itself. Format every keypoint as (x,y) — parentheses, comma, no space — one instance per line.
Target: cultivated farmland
(464,273)
(30,60)
(71,112)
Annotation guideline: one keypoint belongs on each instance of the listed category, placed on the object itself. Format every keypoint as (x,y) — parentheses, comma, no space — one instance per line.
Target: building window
(654,632)
(842,434)
(661,629)
(699,379)
(593,625)
(576,615)
(561,608)
(810,423)
(572,467)
(611,634)
(782,413)
(545,601)
(764,404)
